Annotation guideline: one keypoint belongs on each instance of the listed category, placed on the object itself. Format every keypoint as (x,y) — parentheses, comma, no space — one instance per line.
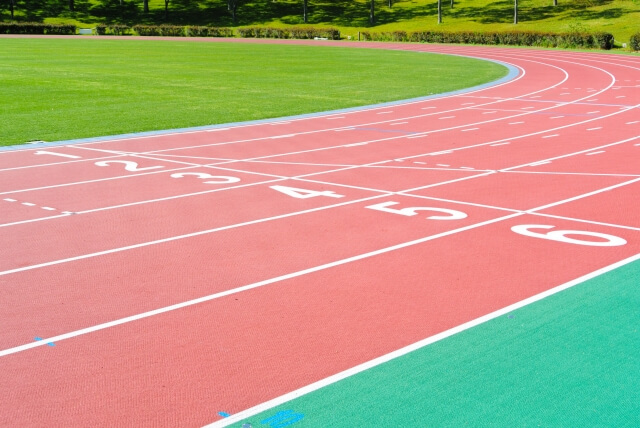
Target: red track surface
(275,292)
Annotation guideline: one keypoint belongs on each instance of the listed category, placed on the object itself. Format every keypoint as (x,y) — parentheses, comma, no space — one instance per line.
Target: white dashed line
(526,108)
(489,112)
(515,123)
(10,200)
(550,136)
(466,167)
(29,204)
(397,123)
(441,164)
(48,208)
(466,104)
(468,129)
(631,123)
(594,129)
(593,112)
(446,117)
(385,112)
(556,117)
(427,108)
(421,163)
(621,96)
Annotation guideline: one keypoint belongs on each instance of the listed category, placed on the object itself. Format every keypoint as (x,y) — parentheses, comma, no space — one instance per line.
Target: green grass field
(620,17)
(65,89)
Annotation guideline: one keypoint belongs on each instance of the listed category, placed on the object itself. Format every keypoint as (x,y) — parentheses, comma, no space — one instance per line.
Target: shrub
(289,33)
(634,42)
(210,32)
(115,30)
(36,28)
(159,30)
(603,40)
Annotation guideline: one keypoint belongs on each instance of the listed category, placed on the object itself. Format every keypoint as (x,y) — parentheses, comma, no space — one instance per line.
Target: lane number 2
(564,235)
(128,165)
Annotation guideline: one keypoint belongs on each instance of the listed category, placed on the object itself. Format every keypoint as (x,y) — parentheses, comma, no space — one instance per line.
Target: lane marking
(515,123)
(446,117)
(44,152)
(594,153)
(252,411)
(594,129)
(539,163)
(499,144)
(551,136)
(469,129)
(556,117)
(397,123)
(247,287)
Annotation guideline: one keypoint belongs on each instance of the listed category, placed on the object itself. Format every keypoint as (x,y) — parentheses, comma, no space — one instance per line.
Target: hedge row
(290,33)
(521,38)
(634,42)
(36,28)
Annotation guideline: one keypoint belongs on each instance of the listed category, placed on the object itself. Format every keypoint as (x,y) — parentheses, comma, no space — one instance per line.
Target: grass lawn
(619,17)
(65,89)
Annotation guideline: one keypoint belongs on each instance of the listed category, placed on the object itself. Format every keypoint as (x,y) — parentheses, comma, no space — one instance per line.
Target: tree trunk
(145,6)
(71,5)
(166,9)
(304,3)
(451,4)
(372,16)
(515,11)
(439,11)
(390,4)
(555,2)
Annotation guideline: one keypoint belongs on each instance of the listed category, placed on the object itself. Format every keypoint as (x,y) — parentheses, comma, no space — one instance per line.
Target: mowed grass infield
(56,90)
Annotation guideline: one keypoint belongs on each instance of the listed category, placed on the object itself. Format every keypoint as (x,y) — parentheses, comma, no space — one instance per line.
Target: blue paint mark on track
(48,343)
(224,414)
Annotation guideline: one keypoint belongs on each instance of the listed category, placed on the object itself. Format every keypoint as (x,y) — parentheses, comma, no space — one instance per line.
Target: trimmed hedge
(114,30)
(160,30)
(520,38)
(634,42)
(289,33)
(210,32)
(36,28)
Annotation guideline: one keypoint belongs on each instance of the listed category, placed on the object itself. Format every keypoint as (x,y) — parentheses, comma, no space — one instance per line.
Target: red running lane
(561,130)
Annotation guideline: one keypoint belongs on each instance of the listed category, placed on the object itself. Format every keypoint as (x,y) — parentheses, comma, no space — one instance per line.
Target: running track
(175,276)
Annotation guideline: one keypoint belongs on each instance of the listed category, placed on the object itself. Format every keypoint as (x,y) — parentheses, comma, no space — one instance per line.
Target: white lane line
(442,164)
(397,123)
(469,129)
(551,136)
(466,167)
(252,411)
(489,112)
(527,108)
(217,129)
(539,163)
(621,96)
(236,290)
(422,163)
(566,93)
(418,136)
(44,152)
(594,129)
(274,123)
(355,144)
(427,108)
(10,200)
(444,152)
(631,123)
(595,153)
(335,117)
(515,123)
(277,137)
(48,208)
(466,104)
(499,144)
(385,112)
(556,117)
(536,96)
(446,117)
(29,204)
(593,112)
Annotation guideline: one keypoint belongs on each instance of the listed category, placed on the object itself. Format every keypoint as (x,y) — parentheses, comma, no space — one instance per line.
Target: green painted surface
(571,360)
(66,89)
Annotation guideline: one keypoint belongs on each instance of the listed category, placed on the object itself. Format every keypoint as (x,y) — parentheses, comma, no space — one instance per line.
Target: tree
(166,9)
(304,10)
(145,6)
(451,4)
(439,11)
(515,11)
(372,16)
(232,6)
(71,5)
(12,4)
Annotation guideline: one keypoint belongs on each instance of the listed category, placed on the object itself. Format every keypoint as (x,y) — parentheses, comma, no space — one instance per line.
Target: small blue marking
(48,343)
(224,414)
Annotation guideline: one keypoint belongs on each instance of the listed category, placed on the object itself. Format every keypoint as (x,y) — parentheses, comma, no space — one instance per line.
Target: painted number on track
(563,235)
(411,211)
(305,193)
(213,179)
(128,165)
